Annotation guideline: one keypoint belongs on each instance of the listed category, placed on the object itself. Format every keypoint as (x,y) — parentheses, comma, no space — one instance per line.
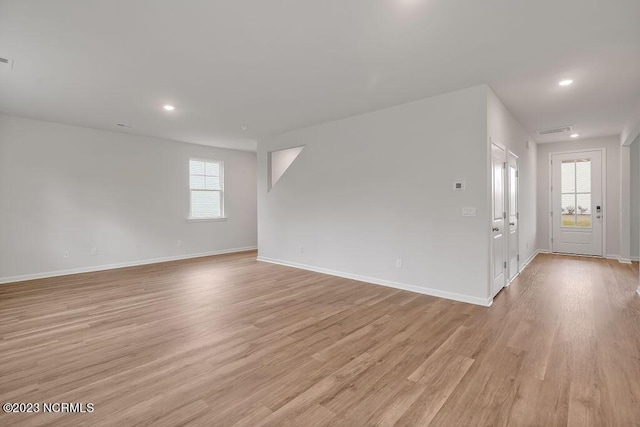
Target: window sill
(221,218)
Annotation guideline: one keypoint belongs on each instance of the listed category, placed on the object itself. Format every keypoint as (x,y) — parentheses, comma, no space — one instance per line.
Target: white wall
(635,199)
(377,187)
(280,161)
(70,188)
(505,129)
(631,128)
(612,208)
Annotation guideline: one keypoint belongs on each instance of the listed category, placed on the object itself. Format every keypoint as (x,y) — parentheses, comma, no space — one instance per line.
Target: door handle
(496,229)
(512,223)
(598,216)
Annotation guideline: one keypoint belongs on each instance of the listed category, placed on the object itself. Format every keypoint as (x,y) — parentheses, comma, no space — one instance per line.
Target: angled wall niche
(279,162)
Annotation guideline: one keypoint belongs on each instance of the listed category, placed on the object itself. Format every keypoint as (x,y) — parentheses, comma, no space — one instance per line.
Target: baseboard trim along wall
(619,258)
(403,286)
(608,256)
(95,268)
(523,266)
(528,261)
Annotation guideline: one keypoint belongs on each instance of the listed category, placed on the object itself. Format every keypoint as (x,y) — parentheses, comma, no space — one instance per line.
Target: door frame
(508,179)
(603,151)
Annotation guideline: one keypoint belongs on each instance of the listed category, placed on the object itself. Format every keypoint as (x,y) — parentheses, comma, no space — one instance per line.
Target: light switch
(468,211)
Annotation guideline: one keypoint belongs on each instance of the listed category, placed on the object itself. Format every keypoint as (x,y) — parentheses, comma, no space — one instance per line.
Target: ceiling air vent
(6,63)
(555,130)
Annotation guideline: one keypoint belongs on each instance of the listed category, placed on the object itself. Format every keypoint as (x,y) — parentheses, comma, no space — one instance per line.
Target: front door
(577,204)
(498,216)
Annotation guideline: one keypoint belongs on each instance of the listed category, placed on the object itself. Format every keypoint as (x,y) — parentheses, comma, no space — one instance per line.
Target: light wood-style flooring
(227,340)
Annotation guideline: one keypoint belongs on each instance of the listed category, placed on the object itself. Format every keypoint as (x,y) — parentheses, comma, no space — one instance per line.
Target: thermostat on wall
(458,186)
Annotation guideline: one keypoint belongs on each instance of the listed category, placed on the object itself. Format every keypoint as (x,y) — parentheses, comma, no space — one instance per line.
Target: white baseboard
(635,258)
(619,258)
(485,302)
(521,268)
(91,269)
(528,261)
(608,256)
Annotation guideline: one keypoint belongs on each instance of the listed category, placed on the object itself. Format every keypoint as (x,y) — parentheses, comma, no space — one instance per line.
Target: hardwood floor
(228,341)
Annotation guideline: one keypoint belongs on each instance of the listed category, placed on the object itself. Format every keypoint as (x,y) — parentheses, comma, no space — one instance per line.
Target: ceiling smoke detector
(551,131)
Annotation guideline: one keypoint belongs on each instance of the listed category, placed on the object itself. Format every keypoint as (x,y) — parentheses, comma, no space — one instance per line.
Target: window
(576,193)
(206,187)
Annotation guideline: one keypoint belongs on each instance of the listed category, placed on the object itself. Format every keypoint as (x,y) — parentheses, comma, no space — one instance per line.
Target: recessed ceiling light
(169,107)
(244,127)
(575,135)
(566,82)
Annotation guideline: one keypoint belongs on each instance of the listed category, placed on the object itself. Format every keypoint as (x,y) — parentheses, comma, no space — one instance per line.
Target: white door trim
(510,154)
(603,150)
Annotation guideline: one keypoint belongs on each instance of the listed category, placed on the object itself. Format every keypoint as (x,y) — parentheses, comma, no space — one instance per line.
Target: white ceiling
(282,64)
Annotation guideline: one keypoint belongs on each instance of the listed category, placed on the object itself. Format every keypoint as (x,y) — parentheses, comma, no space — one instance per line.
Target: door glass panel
(583,210)
(568,175)
(583,176)
(575,183)
(568,210)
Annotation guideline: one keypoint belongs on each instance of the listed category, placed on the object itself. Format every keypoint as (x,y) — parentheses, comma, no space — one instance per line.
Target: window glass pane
(212,183)
(196,167)
(212,168)
(196,182)
(583,176)
(568,210)
(205,204)
(568,176)
(583,210)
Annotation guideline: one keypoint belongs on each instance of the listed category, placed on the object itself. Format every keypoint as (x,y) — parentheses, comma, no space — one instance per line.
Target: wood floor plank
(227,340)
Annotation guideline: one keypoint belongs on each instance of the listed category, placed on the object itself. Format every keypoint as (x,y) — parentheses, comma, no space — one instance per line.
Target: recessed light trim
(565,82)
(169,107)
(575,135)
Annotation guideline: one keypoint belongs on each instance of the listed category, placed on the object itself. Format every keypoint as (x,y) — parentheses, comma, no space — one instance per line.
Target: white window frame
(222,216)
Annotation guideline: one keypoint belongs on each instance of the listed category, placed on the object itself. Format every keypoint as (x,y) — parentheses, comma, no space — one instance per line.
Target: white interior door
(577,204)
(512,214)
(498,217)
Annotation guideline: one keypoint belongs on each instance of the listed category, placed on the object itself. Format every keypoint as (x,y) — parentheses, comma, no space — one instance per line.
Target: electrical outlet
(398,263)
(94,251)
(66,254)
(179,243)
